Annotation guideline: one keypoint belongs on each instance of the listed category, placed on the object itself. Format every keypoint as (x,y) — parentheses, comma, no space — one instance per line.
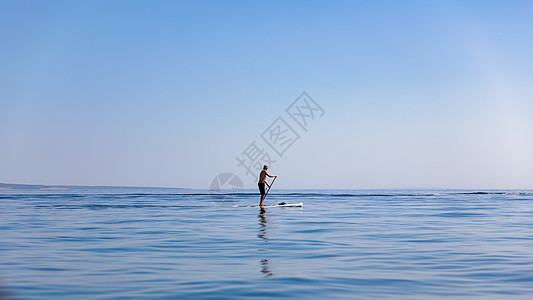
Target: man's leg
(262,198)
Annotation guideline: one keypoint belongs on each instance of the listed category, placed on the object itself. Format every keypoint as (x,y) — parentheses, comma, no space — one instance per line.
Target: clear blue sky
(417,94)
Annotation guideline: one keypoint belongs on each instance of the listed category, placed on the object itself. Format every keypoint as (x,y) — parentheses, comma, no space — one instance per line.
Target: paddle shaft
(270,187)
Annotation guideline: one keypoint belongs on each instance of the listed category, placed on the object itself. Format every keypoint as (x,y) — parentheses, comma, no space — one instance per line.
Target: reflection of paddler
(262,181)
(265,267)
(263,224)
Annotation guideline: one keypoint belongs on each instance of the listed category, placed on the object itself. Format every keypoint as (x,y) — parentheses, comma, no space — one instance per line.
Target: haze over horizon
(414,94)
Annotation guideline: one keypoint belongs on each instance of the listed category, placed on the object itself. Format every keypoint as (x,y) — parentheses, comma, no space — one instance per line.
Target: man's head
(265,167)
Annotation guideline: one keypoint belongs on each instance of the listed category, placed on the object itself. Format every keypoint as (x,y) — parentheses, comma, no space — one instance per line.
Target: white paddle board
(301,204)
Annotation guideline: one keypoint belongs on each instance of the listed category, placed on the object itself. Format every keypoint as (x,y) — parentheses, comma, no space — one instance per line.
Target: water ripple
(406,244)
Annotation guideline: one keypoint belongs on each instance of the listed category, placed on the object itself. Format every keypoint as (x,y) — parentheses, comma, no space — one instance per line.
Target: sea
(193,244)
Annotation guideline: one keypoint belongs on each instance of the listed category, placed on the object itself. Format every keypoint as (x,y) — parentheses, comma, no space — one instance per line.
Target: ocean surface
(190,244)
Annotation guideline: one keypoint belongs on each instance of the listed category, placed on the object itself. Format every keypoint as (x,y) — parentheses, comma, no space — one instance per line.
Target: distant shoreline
(15,186)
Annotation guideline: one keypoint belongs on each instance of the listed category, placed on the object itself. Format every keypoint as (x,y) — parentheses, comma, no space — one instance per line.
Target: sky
(413,94)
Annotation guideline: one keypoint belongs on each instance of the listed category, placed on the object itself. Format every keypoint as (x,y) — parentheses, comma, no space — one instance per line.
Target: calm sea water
(128,244)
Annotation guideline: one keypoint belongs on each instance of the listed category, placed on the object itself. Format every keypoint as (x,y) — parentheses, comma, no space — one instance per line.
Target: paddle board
(301,204)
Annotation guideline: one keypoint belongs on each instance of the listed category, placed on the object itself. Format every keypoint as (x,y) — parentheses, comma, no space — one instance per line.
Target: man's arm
(271,175)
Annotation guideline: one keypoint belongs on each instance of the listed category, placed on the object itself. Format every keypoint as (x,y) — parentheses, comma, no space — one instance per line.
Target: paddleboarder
(262,181)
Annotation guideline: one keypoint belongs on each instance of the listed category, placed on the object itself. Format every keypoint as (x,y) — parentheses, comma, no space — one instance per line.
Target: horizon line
(20,186)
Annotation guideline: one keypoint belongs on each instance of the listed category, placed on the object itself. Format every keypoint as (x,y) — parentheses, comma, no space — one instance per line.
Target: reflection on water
(262,234)
(263,221)
(265,268)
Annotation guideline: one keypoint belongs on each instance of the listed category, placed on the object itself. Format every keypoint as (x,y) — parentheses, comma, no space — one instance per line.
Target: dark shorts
(261,186)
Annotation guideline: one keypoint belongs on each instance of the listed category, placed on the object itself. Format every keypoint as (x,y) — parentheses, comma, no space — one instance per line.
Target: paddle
(270,187)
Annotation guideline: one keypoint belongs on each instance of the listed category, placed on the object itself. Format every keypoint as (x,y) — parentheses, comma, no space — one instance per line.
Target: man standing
(262,182)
